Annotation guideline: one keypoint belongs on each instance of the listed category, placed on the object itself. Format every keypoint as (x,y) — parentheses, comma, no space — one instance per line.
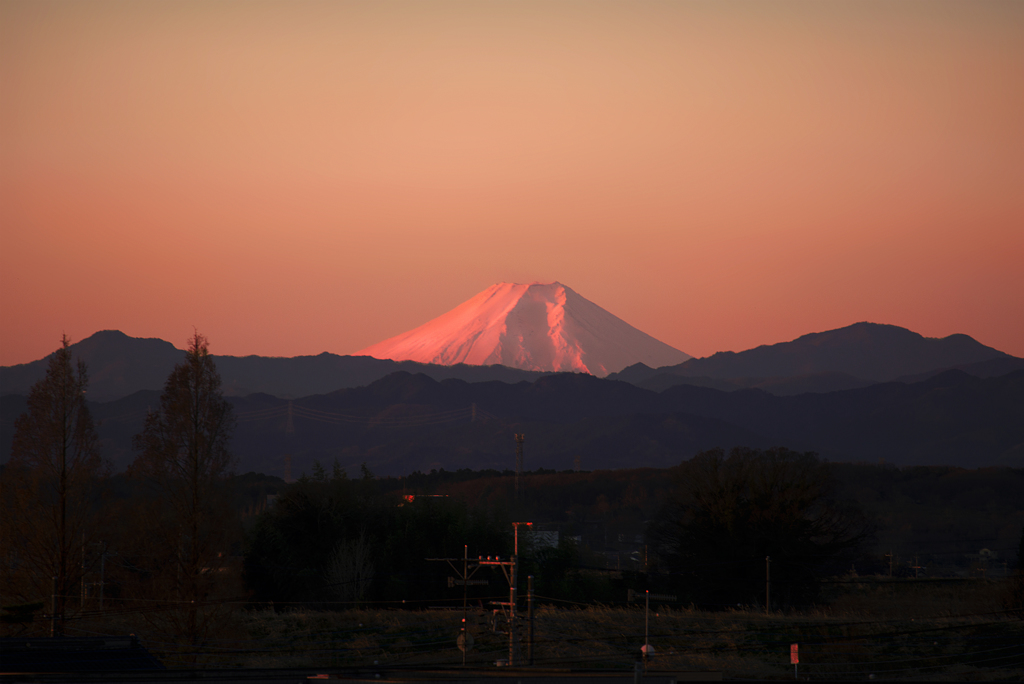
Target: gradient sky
(298,177)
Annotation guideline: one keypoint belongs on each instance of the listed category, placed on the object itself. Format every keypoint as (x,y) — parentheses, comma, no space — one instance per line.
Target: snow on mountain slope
(541,326)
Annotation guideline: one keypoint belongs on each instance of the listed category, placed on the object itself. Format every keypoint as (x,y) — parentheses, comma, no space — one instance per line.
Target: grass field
(894,630)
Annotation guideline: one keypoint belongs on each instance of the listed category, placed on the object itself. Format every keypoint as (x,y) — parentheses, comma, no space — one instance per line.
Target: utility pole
(53,609)
(767,584)
(892,587)
(513,598)
(647,631)
(519,460)
(529,613)
(465,639)
(103,568)
(81,603)
(510,569)
(465,612)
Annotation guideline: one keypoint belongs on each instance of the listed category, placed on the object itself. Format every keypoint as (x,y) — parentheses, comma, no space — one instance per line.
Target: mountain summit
(539,327)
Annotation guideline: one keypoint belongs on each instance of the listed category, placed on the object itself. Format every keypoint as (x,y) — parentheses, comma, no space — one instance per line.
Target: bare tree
(350,569)
(49,489)
(184,453)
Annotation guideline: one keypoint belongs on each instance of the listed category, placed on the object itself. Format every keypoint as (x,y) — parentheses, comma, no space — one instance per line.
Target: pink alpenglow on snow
(541,327)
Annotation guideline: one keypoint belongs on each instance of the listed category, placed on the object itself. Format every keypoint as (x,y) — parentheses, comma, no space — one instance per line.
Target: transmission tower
(519,460)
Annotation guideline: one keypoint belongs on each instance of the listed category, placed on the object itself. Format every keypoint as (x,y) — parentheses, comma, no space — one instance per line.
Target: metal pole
(512,596)
(81,603)
(53,609)
(767,584)
(465,582)
(647,632)
(103,563)
(529,608)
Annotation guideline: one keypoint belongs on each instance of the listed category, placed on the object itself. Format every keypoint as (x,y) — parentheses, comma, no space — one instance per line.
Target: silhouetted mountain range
(397,422)
(855,356)
(406,422)
(120,365)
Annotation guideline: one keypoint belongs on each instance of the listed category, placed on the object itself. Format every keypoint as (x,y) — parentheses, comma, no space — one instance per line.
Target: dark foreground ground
(307,675)
(874,631)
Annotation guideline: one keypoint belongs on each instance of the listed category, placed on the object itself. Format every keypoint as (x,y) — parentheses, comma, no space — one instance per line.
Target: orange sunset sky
(298,177)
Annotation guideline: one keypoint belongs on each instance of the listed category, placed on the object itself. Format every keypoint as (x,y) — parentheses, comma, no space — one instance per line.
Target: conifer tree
(49,489)
(184,454)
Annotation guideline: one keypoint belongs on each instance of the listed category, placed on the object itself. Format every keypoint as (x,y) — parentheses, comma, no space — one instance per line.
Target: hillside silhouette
(406,422)
(120,365)
(854,356)
(400,417)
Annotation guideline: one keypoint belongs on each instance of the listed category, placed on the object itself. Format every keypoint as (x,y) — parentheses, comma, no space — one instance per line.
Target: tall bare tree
(49,489)
(184,453)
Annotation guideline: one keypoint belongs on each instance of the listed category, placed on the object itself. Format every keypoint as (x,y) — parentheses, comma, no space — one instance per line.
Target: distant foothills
(866,392)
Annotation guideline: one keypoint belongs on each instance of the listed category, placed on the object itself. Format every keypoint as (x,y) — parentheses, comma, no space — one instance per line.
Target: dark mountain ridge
(406,422)
(855,356)
(359,409)
(120,365)
(847,358)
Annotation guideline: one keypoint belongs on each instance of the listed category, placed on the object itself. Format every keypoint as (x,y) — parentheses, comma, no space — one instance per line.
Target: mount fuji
(537,327)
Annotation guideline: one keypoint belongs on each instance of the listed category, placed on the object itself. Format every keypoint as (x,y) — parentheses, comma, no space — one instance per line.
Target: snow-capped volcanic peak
(542,326)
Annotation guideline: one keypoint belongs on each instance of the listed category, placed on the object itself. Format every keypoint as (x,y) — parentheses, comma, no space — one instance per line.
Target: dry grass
(920,631)
(740,644)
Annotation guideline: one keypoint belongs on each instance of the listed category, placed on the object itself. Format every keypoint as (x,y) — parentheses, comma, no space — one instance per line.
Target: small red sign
(794,656)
